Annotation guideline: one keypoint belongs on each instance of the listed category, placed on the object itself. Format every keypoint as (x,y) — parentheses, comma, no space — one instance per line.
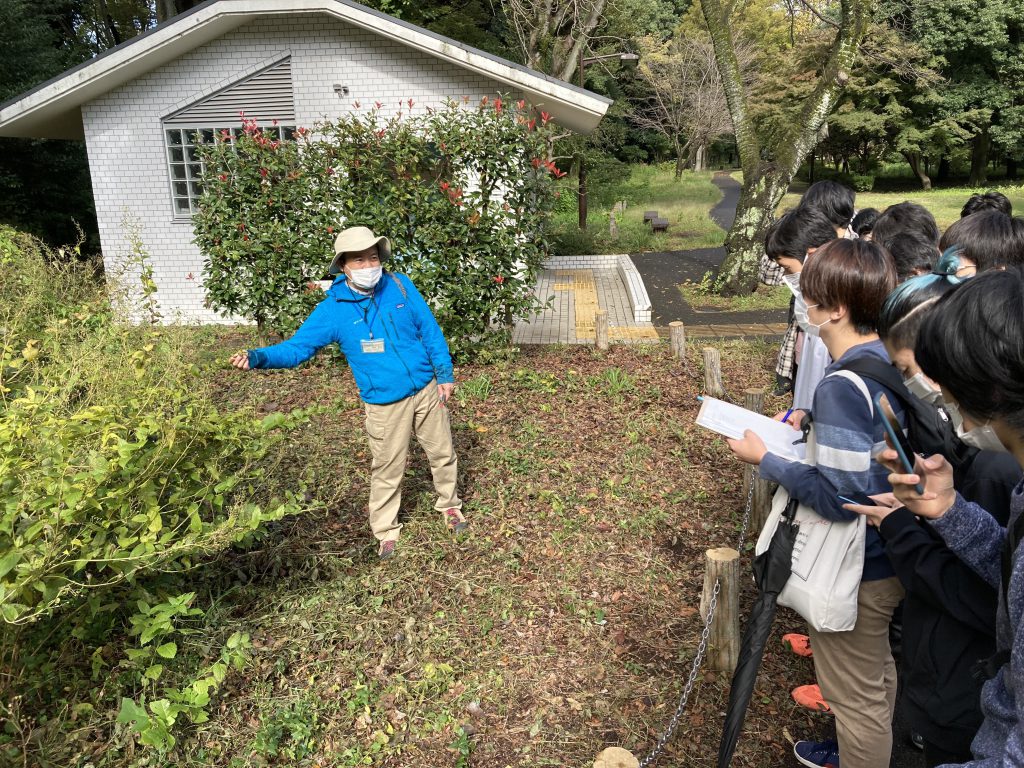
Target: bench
(659,225)
(650,215)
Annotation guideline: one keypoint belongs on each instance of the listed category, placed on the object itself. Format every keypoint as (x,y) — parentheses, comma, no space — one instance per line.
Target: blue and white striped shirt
(847,434)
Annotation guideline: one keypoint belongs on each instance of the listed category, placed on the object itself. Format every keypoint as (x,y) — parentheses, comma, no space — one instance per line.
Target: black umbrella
(772,569)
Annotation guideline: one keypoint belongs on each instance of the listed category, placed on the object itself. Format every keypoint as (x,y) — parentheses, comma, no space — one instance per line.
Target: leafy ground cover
(685,203)
(565,622)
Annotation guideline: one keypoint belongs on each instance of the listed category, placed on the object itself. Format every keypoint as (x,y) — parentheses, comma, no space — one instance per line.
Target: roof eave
(53,109)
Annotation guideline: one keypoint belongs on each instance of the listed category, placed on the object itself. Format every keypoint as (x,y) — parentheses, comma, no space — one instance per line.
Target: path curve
(663,271)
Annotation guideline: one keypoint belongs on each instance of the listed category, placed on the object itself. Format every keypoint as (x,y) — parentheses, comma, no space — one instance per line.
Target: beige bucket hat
(356,239)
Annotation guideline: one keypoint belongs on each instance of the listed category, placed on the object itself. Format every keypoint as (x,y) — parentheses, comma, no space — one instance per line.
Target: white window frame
(184,167)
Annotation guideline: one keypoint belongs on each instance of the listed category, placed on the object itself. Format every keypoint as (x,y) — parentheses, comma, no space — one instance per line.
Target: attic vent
(264,96)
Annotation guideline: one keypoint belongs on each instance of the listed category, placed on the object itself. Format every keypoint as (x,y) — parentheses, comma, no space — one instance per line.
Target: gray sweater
(976,537)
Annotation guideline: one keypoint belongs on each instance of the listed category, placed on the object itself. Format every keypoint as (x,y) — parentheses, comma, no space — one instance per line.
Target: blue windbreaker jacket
(414,353)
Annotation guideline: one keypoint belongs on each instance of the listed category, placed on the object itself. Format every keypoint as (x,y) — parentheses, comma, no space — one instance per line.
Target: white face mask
(983,438)
(366,278)
(920,386)
(804,321)
(793,283)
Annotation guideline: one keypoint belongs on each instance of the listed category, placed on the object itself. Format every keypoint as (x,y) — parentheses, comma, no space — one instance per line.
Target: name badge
(372,346)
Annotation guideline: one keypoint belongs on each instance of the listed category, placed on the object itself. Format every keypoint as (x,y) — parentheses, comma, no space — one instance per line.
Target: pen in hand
(788,414)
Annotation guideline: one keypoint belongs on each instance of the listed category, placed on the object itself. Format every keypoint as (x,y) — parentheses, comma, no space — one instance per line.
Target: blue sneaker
(817,754)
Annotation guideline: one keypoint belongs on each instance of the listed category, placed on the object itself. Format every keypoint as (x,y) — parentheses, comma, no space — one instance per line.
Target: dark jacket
(949,611)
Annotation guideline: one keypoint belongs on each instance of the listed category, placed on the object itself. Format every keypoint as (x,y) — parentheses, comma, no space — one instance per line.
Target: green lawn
(685,203)
(945,203)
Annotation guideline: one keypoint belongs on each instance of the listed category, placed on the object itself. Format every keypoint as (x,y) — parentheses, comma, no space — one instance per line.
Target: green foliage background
(463,193)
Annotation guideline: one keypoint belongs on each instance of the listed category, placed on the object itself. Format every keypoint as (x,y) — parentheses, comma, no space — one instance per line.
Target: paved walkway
(578,294)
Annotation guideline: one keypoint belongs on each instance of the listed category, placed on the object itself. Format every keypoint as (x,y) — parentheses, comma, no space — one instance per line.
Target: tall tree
(552,35)
(979,46)
(44,185)
(168,9)
(769,163)
(686,102)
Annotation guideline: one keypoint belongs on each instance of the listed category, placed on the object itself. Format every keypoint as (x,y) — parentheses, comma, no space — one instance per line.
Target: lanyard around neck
(366,308)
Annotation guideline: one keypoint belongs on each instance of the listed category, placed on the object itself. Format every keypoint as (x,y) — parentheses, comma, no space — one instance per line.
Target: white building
(294,61)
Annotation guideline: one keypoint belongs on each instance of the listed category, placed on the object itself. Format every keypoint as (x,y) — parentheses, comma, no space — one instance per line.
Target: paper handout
(732,420)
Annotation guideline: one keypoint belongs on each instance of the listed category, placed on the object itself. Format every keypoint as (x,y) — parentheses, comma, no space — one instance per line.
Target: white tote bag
(828,556)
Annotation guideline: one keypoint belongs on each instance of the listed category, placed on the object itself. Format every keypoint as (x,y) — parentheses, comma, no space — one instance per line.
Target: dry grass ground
(569,616)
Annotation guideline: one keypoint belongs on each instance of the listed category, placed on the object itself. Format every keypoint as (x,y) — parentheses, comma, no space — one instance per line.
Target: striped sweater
(847,434)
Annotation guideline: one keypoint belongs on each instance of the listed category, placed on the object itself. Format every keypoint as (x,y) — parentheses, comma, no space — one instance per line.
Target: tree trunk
(744,244)
(943,174)
(764,185)
(700,158)
(168,9)
(979,159)
(681,150)
(914,158)
(1011,168)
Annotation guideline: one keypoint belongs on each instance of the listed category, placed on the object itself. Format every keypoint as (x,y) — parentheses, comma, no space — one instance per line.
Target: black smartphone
(885,414)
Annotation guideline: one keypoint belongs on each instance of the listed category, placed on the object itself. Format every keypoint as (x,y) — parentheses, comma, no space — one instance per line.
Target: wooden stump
(761,502)
(713,372)
(677,339)
(601,328)
(753,400)
(723,565)
(616,757)
(760,505)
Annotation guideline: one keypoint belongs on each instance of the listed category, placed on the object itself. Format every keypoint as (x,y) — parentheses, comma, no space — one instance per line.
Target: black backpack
(929,429)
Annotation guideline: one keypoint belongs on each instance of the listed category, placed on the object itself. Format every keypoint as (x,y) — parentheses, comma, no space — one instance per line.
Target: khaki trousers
(389,428)
(857,676)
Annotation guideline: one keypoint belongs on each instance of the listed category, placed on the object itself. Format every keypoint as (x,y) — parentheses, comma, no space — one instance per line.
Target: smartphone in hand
(891,425)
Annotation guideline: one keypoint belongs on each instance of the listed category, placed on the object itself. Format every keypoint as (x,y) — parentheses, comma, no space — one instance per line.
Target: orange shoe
(809,696)
(798,644)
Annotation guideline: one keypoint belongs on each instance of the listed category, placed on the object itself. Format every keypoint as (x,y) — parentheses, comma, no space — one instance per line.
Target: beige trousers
(857,676)
(389,428)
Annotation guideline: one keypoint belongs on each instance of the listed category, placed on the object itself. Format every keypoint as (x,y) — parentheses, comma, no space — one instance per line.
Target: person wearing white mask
(402,368)
(970,345)
(789,243)
(844,285)
(945,598)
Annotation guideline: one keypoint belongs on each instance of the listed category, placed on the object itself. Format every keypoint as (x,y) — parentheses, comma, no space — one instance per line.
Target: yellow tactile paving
(633,332)
(584,290)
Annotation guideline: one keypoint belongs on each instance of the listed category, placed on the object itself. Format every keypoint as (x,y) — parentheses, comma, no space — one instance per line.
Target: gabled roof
(53,109)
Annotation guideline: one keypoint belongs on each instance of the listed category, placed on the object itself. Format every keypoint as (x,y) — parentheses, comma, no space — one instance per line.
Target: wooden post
(722,565)
(760,503)
(616,757)
(760,506)
(677,339)
(753,400)
(613,227)
(601,328)
(713,372)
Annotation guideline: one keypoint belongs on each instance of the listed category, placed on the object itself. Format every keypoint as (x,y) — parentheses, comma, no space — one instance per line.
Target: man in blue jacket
(400,361)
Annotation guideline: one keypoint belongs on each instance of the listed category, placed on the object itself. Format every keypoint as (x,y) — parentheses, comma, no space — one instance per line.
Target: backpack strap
(405,294)
(884,373)
(854,378)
